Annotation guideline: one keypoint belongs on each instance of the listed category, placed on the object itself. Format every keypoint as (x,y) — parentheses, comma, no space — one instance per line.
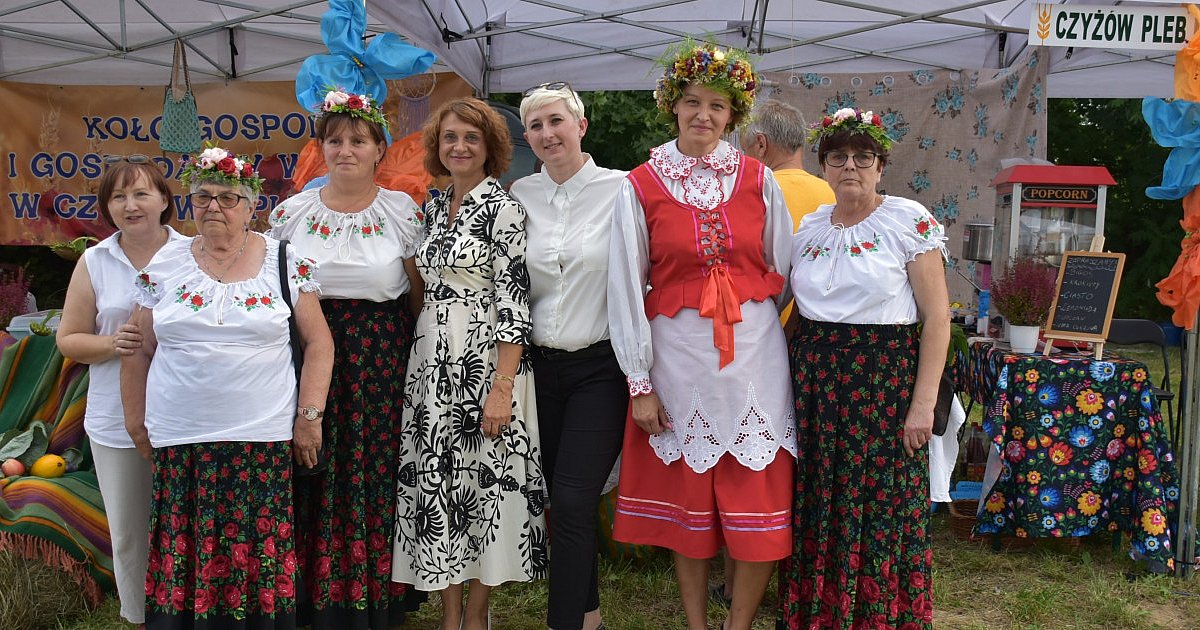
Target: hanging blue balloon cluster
(351,66)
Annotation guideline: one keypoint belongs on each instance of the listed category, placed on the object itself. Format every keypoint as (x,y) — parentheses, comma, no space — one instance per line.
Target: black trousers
(582,400)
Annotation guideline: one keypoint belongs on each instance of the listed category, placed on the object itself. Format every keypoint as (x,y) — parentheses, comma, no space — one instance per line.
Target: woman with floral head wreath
(363,239)
(708,450)
(867,354)
(212,399)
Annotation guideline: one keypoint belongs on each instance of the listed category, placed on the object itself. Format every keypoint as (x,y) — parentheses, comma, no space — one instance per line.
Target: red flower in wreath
(826,121)
(247,170)
(227,166)
(354,102)
(876,120)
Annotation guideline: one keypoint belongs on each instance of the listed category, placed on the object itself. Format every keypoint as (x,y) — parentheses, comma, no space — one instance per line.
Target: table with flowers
(1082,448)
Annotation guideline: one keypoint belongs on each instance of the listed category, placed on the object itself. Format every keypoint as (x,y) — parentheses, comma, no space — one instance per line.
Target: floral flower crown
(219,165)
(691,63)
(853,120)
(339,101)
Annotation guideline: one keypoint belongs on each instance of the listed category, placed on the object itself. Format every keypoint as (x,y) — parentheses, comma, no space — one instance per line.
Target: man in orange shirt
(775,137)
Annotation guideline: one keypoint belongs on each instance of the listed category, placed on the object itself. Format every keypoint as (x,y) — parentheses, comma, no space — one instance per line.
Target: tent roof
(130,42)
(509,45)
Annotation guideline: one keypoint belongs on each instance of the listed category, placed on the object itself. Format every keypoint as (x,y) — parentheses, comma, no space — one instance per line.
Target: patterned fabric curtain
(952,128)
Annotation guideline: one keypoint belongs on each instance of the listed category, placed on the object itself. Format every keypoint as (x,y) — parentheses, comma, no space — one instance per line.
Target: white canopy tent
(509,45)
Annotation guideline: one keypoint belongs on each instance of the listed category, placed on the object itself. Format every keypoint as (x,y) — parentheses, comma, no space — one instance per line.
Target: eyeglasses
(861,160)
(225,200)
(553,86)
(136,158)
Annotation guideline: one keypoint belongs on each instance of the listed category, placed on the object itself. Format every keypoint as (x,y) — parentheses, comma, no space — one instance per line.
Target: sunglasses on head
(136,158)
(553,86)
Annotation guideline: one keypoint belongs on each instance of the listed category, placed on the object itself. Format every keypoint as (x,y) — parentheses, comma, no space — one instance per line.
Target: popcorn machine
(1043,211)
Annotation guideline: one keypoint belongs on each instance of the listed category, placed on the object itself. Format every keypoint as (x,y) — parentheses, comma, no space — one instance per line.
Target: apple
(12,467)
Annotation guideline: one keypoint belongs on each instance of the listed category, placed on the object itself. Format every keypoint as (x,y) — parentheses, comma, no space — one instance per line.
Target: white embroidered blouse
(360,254)
(745,408)
(222,371)
(111,274)
(859,274)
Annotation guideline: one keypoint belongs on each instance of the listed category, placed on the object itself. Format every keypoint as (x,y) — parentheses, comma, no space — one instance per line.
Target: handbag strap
(293,330)
(179,66)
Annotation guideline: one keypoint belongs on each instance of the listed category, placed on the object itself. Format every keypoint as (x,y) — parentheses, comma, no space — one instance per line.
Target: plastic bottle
(985,304)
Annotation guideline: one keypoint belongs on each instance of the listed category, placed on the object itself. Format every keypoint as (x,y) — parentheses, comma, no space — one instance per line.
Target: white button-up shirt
(568,230)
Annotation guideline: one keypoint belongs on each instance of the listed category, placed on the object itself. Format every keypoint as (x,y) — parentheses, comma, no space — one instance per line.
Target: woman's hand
(306,441)
(497,408)
(649,414)
(141,440)
(918,428)
(127,339)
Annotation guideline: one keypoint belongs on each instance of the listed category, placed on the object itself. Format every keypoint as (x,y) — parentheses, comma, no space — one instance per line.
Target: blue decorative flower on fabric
(1103,370)
(1048,395)
(1100,471)
(1049,498)
(1081,437)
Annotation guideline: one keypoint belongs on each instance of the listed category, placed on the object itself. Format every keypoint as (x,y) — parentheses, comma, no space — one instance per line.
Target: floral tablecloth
(1082,445)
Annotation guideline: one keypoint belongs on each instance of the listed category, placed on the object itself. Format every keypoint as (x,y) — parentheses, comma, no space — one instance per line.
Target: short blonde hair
(541,97)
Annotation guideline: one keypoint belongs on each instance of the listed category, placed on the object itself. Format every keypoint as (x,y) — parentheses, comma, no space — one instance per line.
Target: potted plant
(1023,295)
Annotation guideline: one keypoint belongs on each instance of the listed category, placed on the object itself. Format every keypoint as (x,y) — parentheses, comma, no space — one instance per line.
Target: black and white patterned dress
(468,506)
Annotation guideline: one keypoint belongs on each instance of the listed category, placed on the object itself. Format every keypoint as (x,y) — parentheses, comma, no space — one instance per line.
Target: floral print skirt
(344,518)
(861,553)
(222,554)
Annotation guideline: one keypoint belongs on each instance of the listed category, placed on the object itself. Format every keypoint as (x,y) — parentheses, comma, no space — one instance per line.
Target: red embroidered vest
(710,260)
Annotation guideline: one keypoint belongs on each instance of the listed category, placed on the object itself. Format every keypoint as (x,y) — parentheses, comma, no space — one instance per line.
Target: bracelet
(505,377)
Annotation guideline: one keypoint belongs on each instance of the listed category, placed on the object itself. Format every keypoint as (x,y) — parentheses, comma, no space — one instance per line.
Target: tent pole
(1189,462)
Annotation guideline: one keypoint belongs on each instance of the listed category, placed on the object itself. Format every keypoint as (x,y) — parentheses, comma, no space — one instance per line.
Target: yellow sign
(1083,26)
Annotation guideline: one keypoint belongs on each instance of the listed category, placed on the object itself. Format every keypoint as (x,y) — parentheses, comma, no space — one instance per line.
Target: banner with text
(54,139)
(1083,26)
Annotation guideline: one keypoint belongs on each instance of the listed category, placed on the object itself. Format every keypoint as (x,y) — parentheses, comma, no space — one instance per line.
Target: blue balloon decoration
(351,66)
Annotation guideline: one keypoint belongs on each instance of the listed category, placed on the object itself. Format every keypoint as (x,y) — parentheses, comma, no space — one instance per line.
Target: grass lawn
(1050,586)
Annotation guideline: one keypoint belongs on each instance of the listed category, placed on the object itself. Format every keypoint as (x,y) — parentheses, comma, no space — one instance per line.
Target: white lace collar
(700,177)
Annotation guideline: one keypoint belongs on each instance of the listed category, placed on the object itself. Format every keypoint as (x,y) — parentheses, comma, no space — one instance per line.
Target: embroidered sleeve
(925,233)
(513,323)
(146,290)
(301,274)
(628,270)
(408,222)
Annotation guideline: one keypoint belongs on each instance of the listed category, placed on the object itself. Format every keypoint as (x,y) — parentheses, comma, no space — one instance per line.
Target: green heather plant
(1024,292)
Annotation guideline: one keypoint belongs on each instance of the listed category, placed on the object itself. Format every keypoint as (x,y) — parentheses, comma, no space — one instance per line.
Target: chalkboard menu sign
(1085,295)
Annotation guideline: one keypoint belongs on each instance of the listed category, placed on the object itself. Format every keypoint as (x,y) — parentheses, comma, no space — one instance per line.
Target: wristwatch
(311,413)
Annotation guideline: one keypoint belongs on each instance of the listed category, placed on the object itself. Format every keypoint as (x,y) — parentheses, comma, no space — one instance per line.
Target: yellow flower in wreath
(1089,503)
(1089,402)
(1154,522)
